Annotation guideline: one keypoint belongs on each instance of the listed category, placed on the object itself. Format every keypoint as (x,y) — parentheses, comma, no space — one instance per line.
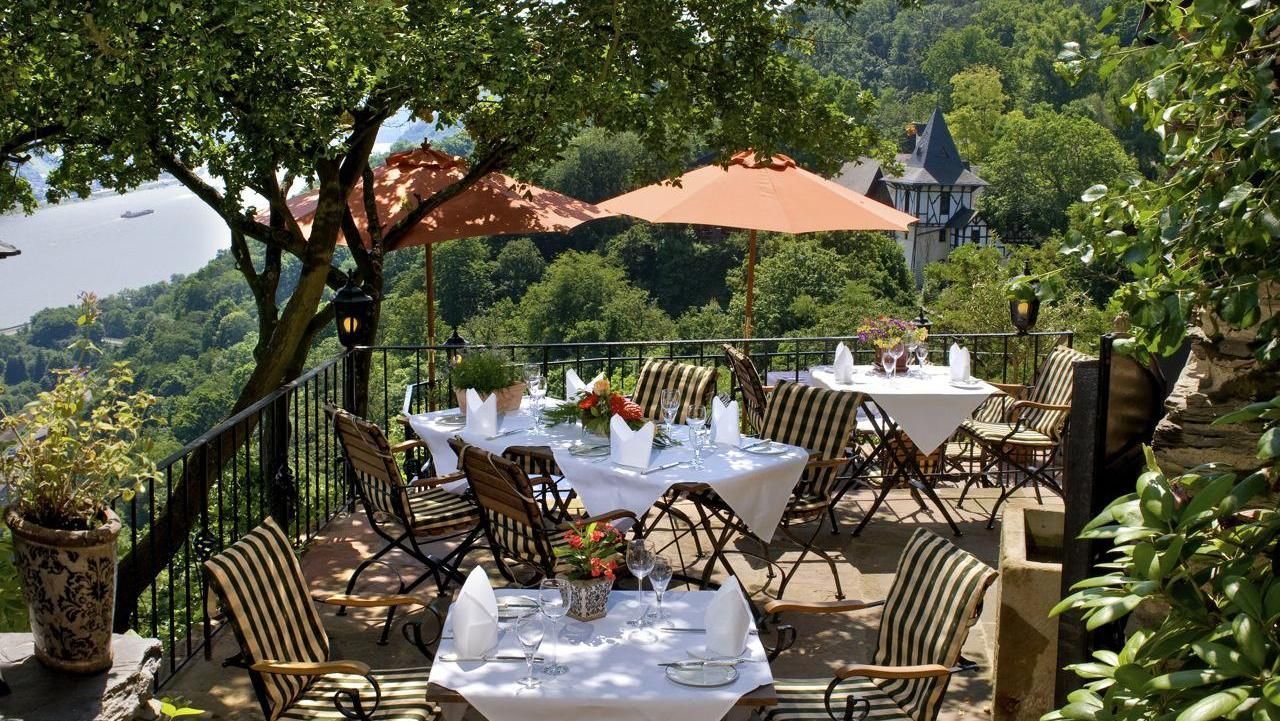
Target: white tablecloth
(755,486)
(927,408)
(610,676)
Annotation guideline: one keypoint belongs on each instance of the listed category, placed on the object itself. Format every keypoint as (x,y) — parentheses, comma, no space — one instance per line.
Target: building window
(945,206)
(906,201)
(975,235)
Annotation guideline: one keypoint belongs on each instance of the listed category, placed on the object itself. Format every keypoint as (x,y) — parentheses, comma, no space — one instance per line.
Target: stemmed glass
(669,400)
(696,419)
(554,597)
(897,352)
(529,629)
(911,351)
(640,561)
(922,354)
(888,362)
(659,578)
(537,391)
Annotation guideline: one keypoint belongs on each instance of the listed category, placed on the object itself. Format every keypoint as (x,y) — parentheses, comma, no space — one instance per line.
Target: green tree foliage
(960,50)
(518,265)
(1205,233)
(464,279)
(659,259)
(794,279)
(15,370)
(978,104)
(583,298)
(1038,168)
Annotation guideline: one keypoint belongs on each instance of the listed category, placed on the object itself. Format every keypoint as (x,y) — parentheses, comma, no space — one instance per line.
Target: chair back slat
(935,599)
(513,518)
(696,385)
(995,409)
(260,584)
(1053,387)
(754,399)
(365,446)
(814,418)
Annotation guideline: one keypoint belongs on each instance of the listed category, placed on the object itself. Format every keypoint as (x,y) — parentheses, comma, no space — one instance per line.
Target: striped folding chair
(520,531)
(935,599)
(407,517)
(816,419)
(696,385)
(755,396)
(1025,442)
(259,585)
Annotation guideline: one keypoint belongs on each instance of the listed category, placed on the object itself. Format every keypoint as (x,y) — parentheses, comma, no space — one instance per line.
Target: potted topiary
(488,373)
(71,453)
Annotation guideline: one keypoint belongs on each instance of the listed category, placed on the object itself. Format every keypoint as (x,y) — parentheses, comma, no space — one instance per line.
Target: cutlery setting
(491,658)
(508,432)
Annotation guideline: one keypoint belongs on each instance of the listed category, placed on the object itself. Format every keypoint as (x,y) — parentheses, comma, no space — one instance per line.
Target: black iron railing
(279,457)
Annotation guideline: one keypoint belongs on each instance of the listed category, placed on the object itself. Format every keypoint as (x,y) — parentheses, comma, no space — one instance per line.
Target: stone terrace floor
(825,641)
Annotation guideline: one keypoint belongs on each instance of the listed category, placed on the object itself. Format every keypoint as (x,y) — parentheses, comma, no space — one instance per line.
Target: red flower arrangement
(596,406)
(593,550)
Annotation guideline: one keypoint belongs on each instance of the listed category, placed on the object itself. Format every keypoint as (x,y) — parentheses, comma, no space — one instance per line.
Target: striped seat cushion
(1053,387)
(933,602)
(404,697)
(696,385)
(1004,433)
(753,395)
(805,700)
(437,511)
(817,419)
(265,596)
(995,409)
(519,541)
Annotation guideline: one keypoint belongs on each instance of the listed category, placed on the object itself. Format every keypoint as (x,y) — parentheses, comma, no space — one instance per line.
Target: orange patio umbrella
(773,194)
(497,204)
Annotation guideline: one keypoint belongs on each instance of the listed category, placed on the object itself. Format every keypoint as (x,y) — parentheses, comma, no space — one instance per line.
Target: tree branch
(491,162)
(13,147)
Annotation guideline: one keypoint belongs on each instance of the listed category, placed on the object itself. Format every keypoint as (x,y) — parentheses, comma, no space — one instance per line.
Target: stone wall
(1221,376)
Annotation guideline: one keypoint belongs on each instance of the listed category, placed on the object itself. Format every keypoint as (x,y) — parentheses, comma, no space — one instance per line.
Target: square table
(925,406)
(611,674)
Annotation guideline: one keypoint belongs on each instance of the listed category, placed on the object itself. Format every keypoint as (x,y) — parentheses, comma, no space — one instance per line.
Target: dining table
(755,479)
(916,412)
(615,670)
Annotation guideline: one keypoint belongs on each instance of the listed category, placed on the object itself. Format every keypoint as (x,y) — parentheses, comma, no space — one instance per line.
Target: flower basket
(589,599)
(508,398)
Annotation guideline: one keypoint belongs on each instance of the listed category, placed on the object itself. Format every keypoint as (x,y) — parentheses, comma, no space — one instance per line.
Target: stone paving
(826,642)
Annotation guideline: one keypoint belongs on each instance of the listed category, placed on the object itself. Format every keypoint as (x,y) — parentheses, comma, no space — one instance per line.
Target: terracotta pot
(589,598)
(69,584)
(508,398)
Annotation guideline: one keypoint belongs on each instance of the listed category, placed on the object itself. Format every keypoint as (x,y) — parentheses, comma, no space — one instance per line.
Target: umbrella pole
(751,282)
(431,326)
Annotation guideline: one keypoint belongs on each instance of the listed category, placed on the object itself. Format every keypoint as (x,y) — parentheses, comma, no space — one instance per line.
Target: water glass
(888,362)
(922,354)
(696,419)
(659,578)
(529,629)
(554,598)
(640,560)
(537,391)
(669,401)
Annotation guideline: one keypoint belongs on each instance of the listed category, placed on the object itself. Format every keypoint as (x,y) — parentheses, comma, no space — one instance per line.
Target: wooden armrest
(1017,408)
(610,517)
(767,389)
(311,668)
(342,599)
(869,671)
(423,484)
(1010,389)
(403,420)
(851,604)
(409,445)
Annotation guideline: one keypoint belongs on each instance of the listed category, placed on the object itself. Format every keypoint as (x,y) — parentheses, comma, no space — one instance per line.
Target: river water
(87,246)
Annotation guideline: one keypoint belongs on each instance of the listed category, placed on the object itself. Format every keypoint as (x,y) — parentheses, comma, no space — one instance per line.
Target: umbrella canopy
(495,205)
(773,195)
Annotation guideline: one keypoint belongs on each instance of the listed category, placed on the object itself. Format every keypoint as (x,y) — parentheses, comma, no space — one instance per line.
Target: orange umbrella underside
(495,205)
(773,195)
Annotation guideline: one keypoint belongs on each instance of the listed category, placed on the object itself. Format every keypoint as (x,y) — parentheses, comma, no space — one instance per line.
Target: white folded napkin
(573,384)
(628,447)
(482,416)
(475,616)
(727,620)
(842,367)
(958,361)
(724,421)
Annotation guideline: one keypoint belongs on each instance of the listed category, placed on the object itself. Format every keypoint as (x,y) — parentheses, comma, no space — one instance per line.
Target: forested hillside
(1040,141)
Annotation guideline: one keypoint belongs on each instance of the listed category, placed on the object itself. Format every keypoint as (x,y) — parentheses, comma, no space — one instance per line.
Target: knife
(757,444)
(753,632)
(662,467)
(505,433)
(700,663)
(455,658)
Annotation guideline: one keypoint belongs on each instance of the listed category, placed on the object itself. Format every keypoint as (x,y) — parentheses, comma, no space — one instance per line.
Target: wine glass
(530,632)
(696,419)
(659,578)
(888,362)
(669,400)
(554,597)
(911,351)
(922,354)
(537,391)
(640,560)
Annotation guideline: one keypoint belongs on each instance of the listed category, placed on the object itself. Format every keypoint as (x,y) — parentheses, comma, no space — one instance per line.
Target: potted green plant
(593,553)
(72,452)
(488,373)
